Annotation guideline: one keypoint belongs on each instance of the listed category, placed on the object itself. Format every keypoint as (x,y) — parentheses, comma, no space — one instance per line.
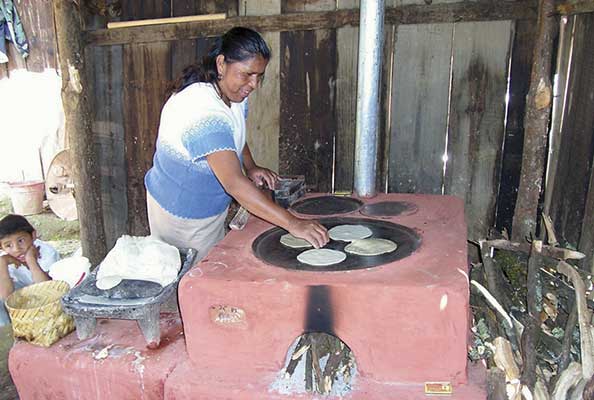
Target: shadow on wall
(31,124)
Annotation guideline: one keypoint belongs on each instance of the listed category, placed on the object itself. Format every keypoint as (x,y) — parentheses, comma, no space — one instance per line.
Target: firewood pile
(532,307)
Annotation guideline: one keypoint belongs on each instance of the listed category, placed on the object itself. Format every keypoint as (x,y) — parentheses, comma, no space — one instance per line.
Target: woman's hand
(310,230)
(261,176)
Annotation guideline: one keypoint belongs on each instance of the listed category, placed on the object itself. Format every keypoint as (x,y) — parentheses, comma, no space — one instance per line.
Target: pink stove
(406,320)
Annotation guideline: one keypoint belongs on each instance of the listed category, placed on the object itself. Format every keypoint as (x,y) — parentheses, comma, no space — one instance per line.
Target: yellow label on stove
(438,388)
(342,193)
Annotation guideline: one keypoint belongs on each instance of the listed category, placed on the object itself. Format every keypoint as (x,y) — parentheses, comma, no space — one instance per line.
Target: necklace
(215,84)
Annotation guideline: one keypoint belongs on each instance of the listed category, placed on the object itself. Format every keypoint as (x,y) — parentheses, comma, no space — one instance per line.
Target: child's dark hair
(14,223)
(237,44)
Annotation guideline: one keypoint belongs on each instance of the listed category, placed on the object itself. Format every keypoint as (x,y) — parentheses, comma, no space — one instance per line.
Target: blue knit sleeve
(207,136)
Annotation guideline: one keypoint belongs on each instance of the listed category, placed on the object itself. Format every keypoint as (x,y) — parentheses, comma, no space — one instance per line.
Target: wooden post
(532,324)
(536,122)
(77,109)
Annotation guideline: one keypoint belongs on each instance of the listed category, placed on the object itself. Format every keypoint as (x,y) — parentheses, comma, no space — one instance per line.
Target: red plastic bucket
(27,197)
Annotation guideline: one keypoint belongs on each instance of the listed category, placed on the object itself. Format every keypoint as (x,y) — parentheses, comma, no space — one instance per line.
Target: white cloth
(21,275)
(143,258)
(198,234)
(71,270)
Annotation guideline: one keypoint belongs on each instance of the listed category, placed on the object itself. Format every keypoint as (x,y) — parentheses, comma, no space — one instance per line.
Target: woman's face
(240,78)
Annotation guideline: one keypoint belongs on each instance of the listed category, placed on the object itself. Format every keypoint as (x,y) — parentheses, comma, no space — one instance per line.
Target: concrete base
(113,364)
(187,382)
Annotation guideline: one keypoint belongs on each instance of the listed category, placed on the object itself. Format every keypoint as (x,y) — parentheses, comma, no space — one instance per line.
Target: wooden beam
(410,14)
(77,109)
(576,7)
(536,124)
(163,21)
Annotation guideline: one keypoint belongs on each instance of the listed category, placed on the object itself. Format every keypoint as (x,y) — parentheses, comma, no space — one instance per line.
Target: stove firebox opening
(317,363)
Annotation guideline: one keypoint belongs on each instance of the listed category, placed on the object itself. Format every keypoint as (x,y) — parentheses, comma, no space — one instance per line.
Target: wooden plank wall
(308,86)
(519,81)
(264,104)
(572,204)
(477,118)
(448,103)
(39,139)
(442,84)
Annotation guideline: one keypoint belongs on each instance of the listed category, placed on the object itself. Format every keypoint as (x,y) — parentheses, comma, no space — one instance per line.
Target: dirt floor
(64,236)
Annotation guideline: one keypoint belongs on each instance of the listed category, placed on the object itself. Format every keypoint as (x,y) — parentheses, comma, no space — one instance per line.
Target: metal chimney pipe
(371,35)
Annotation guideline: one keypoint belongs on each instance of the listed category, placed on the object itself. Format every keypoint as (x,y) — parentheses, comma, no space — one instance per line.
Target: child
(24,259)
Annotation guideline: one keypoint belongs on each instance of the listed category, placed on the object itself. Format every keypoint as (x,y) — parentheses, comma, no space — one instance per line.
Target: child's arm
(6,286)
(37,273)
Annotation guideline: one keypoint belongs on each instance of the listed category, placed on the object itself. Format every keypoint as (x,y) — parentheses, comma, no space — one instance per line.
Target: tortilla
(294,242)
(348,233)
(370,247)
(321,257)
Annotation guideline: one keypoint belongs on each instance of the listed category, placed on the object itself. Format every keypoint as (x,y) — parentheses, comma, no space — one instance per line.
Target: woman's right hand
(310,230)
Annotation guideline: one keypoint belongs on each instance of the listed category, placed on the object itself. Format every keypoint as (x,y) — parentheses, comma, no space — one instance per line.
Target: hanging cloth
(12,30)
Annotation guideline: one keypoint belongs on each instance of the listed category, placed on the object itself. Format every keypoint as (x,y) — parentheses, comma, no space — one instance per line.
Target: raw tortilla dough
(348,233)
(370,247)
(321,257)
(139,257)
(294,242)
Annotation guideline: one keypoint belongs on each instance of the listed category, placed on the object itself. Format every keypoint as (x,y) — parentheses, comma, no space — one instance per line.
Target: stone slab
(406,321)
(112,364)
(187,382)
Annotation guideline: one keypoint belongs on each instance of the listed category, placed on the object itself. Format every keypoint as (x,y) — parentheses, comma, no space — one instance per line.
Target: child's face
(17,244)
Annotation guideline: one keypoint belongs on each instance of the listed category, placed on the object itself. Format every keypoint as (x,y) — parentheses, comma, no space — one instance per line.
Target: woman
(201,151)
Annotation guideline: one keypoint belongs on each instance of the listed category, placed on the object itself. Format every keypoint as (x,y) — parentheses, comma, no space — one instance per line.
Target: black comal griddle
(327,205)
(387,209)
(267,246)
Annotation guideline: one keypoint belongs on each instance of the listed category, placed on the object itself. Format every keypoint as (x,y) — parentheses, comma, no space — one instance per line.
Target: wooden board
(347,52)
(519,82)
(477,117)
(188,51)
(37,18)
(105,75)
(264,104)
(146,72)
(385,119)
(307,122)
(419,107)
(410,14)
(571,186)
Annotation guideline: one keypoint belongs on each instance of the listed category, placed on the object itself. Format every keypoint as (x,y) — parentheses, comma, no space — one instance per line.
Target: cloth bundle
(141,258)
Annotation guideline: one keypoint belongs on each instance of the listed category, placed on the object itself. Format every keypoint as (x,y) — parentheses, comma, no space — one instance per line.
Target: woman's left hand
(261,176)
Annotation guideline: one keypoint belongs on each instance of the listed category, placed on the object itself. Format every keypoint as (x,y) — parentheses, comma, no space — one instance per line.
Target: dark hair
(14,223)
(237,44)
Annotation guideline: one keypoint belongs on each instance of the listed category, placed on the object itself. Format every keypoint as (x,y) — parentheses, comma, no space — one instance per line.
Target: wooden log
(589,390)
(568,379)
(410,14)
(538,110)
(491,275)
(504,359)
(584,318)
(540,391)
(496,384)
(534,307)
(570,324)
(77,109)
(547,251)
(576,7)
